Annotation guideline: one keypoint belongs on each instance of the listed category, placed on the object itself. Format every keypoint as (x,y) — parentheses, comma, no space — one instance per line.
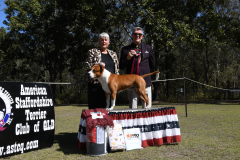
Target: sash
(135,65)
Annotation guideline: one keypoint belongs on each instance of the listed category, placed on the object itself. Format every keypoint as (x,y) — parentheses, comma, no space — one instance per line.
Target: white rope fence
(195,82)
(167,80)
(237,90)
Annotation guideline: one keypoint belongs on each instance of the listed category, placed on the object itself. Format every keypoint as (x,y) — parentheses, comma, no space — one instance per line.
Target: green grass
(211,131)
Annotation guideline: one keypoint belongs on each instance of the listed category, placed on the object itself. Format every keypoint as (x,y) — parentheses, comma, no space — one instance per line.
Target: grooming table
(158,125)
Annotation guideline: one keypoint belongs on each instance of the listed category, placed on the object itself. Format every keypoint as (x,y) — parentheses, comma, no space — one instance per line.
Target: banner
(27,119)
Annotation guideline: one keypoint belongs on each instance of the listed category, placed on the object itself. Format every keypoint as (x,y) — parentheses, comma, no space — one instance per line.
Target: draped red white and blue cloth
(87,123)
(158,125)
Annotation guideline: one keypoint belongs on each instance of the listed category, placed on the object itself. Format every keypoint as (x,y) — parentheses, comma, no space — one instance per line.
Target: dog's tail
(145,75)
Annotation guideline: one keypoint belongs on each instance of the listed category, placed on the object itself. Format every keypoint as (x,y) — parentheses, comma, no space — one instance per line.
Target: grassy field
(211,131)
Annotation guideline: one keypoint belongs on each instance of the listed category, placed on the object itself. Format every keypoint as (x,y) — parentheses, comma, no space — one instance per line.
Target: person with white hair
(107,58)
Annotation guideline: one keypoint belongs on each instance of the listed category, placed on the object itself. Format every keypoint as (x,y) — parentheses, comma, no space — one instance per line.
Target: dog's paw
(109,109)
(146,107)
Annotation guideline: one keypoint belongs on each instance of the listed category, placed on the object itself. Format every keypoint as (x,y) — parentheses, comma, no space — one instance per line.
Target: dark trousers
(96,96)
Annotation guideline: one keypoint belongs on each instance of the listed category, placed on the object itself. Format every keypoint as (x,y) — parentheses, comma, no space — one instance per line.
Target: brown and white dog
(113,83)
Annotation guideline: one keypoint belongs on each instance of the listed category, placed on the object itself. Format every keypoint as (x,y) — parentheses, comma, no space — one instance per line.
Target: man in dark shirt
(138,58)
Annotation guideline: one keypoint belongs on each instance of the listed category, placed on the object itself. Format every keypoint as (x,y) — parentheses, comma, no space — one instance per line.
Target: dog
(113,83)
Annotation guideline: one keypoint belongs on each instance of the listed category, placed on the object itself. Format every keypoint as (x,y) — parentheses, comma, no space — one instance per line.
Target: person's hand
(131,54)
(101,63)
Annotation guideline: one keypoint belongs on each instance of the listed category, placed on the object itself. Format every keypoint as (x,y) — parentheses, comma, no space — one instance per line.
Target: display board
(27,118)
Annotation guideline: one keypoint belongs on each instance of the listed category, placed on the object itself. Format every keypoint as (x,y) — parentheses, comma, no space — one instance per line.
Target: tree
(52,35)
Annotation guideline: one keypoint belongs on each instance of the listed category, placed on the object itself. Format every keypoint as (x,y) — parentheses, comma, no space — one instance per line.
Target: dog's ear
(101,68)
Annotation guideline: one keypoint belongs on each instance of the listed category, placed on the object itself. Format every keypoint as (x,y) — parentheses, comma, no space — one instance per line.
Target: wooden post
(185,93)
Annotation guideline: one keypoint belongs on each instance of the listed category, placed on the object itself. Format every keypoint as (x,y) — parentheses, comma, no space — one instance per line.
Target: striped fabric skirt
(158,125)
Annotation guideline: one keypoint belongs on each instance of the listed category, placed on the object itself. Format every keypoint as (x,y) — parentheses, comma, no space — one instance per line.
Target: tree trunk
(217,57)
(206,66)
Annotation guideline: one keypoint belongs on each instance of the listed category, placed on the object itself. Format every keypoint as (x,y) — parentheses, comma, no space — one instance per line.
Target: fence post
(185,93)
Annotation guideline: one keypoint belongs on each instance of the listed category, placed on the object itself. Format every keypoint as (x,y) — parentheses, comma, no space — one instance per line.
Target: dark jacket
(147,62)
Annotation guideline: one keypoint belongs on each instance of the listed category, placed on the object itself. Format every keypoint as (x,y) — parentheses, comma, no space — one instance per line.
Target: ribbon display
(136,61)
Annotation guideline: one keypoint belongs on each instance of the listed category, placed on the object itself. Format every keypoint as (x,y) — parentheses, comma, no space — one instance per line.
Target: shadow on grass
(68,143)
(75,105)
(219,102)
(82,105)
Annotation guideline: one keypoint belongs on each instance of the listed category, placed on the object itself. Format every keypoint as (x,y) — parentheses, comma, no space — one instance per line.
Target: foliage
(48,41)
